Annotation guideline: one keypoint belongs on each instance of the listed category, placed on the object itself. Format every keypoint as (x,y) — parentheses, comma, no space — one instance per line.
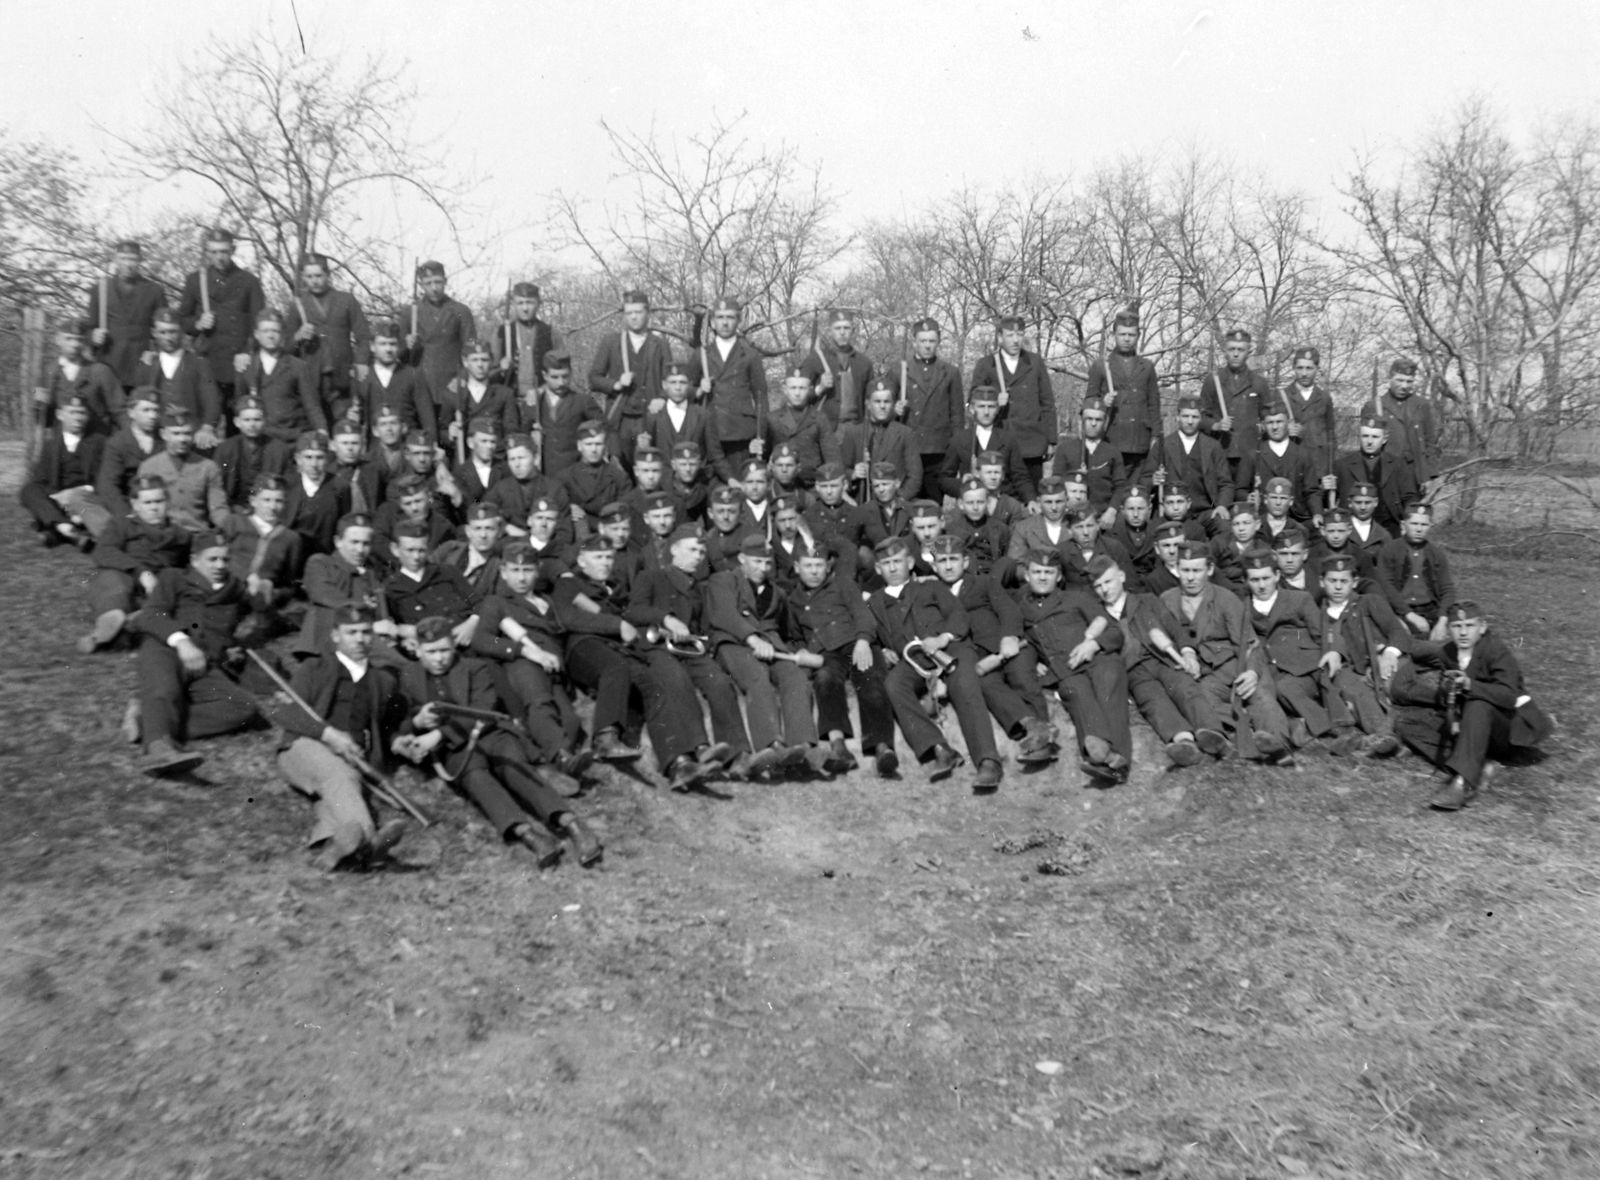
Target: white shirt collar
(169,362)
(724,347)
(71,441)
(1264,608)
(357,671)
(896,591)
(1116,608)
(677,412)
(269,363)
(1188,441)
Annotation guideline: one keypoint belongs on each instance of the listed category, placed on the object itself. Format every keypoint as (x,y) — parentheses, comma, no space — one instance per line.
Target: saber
(382,786)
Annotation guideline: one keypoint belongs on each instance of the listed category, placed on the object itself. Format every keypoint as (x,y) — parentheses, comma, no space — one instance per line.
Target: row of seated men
(992,623)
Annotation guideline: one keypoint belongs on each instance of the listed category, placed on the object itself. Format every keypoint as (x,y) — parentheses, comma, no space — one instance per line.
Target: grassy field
(1232,972)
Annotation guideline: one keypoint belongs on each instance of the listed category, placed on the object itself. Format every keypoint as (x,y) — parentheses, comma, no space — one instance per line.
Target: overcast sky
(900,102)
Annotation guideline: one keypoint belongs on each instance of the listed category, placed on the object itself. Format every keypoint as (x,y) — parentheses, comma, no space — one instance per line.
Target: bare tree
(709,214)
(293,147)
(47,246)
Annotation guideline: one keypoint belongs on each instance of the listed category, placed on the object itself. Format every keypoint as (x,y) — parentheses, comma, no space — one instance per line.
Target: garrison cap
(525,291)
(1188,402)
(726,495)
(1051,485)
(829,472)
(219,234)
(658,500)
(1241,508)
(1340,563)
(1308,353)
(750,465)
(477,348)
(1402,365)
(1278,484)
(1081,515)
(1193,550)
(786,504)
(880,385)
(1076,477)
(796,373)
(74,326)
(1176,491)
(1465,609)
(269,315)
(148,483)
(686,450)
(754,545)
(677,369)
(557,358)
(176,415)
(926,324)
(310,440)
(207,538)
(1092,403)
(433,629)
(352,520)
(647,454)
(810,549)
(315,259)
(485,426)
(885,471)
(517,552)
(1417,509)
(418,439)
(1238,335)
(1050,557)
(1275,409)
(164,315)
(1171,530)
(983,393)
(971,481)
(948,546)
(1337,516)
(1126,317)
(128,246)
(346,616)
(1256,560)
(518,439)
(595,543)
(990,459)
(924,510)
(1364,489)
(615,510)
(785,450)
(1013,323)
(1100,565)
(840,315)
(414,529)
(484,510)
(431,270)
(591,428)
(74,401)
(149,393)
(266,481)
(346,428)
(891,547)
(685,532)
(544,504)
(1377,420)
(386,330)
(726,303)
(633,296)
(1292,535)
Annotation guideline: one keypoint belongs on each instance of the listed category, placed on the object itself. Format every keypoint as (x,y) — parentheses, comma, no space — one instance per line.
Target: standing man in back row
(518,346)
(840,374)
(628,372)
(1413,428)
(730,374)
(1230,403)
(219,308)
(1130,394)
(329,334)
(930,403)
(130,303)
(438,330)
(1027,399)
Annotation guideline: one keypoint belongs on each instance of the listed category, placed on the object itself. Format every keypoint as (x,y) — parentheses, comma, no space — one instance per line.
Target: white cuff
(176,638)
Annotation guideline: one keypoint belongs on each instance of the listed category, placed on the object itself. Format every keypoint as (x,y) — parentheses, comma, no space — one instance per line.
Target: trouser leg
(1021,672)
(42,506)
(931,464)
(1425,730)
(111,590)
(537,690)
(794,694)
(872,700)
(605,672)
(1299,695)
(1266,715)
(1150,694)
(904,686)
(966,695)
(504,756)
(1362,700)
(1035,469)
(217,705)
(760,697)
(1193,701)
(721,695)
(1484,730)
(1004,703)
(86,506)
(161,702)
(671,708)
(478,782)
(1109,678)
(828,686)
(335,787)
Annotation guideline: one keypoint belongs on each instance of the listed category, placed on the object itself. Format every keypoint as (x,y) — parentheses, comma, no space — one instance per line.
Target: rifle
(382,785)
(1378,688)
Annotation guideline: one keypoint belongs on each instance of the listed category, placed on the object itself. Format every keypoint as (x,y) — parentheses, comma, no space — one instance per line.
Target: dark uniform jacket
(662,591)
(1397,487)
(1135,413)
(241,459)
(935,410)
(884,442)
(1293,465)
(826,357)
(1413,432)
(1057,622)
(1220,633)
(97,385)
(581,624)
(555,427)
(1143,614)
(473,487)
(961,459)
(378,711)
(1201,472)
(1140,545)
(130,309)
(191,386)
(1104,473)
(135,548)
(185,601)
(515,498)
(923,610)
(330,583)
(737,385)
(1366,619)
(442,591)
(1319,429)
(236,297)
(813,439)
(591,486)
(444,330)
(992,614)
(1030,413)
(54,470)
(407,394)
(733,612)
(498,404)
(1495,678)
(475,682)
(528,345)
(985,542)
(316,516)
(275,556)
(1394,568)
(1290,632)
(832,616)
(343,338)
(649,368)
(870,523)
(290,399)
(540,620)
(1240,397)
(699,427)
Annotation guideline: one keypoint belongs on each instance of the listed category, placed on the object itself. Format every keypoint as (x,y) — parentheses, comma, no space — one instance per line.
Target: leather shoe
(1097,748)
(768,760)
(162,758)
(1348,744)
(1271,747)
(548,775)
(386,837)
(886,761)
(1211,742)
(716,755)
(609,748)
(1453,796)
(1299,734)
(739,768)
(988,780)
(540,841)
(1184,753)
(817,759)
(106,628)
(840,760)
(584,842)
(1099,772)
(685,772)
(573,762)
(1118,765)
(945,761)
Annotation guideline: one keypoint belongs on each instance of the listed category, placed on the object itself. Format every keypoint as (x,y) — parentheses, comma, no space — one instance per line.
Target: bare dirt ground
(1237,972)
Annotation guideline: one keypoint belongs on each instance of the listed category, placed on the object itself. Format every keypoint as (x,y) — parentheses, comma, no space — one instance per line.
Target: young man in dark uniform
(129,554)
(522,344)
(628,372)
(59,492)
(1230,403)
(131,301)
(329,336)
(839,373)
(1027,398)
(1188,459)
(1372,463)
(1313,423)
(1100,462)
(181,378)
(218,309)
(1129,393)
(931,403)
(1414,575)
(438,330)
(731,377)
